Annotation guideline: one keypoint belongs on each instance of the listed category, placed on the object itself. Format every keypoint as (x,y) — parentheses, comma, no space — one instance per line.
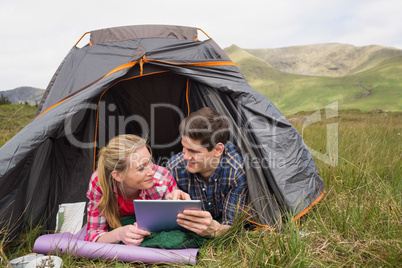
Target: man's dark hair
(207,126)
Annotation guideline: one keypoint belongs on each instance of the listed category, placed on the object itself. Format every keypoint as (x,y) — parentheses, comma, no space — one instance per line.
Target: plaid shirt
(226,194)
(97,225)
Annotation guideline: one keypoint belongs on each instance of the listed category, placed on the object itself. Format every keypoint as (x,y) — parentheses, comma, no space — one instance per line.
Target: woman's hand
(131,235)
(128,234)
(179,195)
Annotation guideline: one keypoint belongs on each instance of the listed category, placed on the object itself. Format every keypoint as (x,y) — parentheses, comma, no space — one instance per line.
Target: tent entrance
(151,106)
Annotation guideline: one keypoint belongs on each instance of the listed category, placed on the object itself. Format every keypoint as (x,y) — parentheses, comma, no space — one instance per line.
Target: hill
(311,77)
(24,94)
(332,60)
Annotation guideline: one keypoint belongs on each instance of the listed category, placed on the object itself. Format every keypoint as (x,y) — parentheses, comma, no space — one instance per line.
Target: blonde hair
(114,157)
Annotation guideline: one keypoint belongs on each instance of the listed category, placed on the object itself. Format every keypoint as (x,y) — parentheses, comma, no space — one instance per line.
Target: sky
(37,35)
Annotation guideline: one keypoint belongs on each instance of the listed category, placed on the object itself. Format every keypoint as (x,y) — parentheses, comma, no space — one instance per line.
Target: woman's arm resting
(129,235)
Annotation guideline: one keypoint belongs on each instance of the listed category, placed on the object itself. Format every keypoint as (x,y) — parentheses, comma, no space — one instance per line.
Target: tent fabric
(142,31)
(146,86)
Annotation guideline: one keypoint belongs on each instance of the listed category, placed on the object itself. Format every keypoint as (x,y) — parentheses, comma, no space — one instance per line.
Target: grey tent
(144,80)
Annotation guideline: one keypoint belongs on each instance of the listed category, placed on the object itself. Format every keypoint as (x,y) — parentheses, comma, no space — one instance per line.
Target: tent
(144,80)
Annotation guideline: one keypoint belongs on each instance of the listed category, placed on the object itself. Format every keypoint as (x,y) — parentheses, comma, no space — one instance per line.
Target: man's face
(198,158)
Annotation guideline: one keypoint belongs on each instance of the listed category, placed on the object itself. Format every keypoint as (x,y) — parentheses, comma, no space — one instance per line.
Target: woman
(125,172)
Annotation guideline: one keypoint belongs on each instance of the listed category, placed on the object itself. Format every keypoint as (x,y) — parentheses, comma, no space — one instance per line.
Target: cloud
(377,22)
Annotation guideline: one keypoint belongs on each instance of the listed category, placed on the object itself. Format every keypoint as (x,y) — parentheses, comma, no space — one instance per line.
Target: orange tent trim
(312,204)
(131,64)
(212,63)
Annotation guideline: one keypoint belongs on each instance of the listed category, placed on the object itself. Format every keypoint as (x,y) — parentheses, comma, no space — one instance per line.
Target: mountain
(325,59)
(24,94)
(306,78)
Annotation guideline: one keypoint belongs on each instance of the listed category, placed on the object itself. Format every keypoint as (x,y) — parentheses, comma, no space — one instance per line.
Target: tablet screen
(161,215)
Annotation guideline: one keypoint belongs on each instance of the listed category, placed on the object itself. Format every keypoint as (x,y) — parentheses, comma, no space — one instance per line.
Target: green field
(373,80)
(357,224)
(13,117)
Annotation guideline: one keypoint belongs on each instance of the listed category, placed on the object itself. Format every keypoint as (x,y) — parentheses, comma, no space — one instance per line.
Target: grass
(13,118)
(357,224)
(361,213)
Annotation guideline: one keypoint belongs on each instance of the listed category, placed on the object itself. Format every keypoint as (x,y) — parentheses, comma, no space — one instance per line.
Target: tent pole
(204,32)
(81,38)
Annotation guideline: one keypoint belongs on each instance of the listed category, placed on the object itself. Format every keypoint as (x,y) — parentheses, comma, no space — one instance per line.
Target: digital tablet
(161,215)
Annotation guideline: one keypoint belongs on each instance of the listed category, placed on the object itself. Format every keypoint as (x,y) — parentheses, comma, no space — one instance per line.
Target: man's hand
(201,223)
(179,195)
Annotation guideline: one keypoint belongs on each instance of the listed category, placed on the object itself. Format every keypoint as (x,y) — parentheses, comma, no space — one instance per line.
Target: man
(210,169)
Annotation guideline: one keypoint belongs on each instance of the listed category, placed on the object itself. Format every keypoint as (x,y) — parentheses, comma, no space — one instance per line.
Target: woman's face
(140,172)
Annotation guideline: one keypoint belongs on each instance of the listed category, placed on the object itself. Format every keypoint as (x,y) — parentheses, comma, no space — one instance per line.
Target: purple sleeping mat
(75,245)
